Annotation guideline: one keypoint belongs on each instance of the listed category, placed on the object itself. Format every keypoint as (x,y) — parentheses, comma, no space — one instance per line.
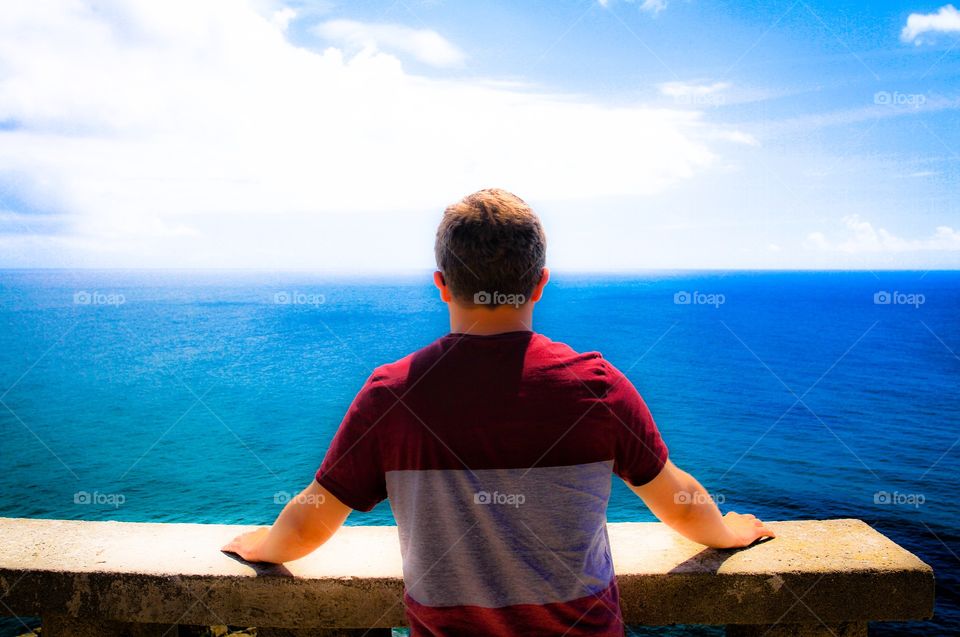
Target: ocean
(180,396)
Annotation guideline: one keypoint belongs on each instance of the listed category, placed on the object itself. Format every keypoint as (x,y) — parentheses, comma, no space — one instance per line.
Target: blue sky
(327,136)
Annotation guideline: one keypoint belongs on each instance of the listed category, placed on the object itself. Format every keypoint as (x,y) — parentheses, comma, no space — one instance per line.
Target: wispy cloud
(424,45)
(878,110)
(650,6)
(677,89)
(945,20)
(862,237)
(653,6)
(695,93)
(735,136)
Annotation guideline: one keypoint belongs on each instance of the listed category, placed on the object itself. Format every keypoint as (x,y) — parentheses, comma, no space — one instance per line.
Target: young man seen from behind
(496,447)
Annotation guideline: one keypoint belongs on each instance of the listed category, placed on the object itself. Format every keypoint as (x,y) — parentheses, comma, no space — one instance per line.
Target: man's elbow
(676,514)
(671,496)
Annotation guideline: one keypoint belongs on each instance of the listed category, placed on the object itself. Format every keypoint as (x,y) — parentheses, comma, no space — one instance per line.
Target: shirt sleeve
(352,469)
(640,451)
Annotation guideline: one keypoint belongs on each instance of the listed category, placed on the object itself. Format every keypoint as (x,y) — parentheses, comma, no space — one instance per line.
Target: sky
(327,136)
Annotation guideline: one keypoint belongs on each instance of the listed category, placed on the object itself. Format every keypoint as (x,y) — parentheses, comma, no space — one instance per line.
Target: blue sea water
(176,396)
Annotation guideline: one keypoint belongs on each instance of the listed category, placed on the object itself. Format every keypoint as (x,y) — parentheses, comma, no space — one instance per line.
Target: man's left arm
(306,522)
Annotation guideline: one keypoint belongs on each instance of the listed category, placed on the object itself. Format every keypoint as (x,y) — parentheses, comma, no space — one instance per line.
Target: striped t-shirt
(497,453)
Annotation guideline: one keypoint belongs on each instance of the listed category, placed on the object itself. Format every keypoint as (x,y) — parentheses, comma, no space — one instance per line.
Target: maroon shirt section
(512,400)
(594,615)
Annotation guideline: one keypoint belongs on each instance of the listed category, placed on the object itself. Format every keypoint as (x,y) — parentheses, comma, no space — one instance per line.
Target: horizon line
(408,271)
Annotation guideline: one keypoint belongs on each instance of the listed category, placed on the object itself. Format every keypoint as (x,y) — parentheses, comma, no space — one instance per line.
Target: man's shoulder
(393,376)
(556,355)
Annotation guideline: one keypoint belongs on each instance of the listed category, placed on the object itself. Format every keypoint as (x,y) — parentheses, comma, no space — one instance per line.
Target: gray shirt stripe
(500,537)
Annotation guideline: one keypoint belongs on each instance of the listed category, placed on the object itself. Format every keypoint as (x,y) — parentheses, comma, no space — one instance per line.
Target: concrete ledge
(815,573)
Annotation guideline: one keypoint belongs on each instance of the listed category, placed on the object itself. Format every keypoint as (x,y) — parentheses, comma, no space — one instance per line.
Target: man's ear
(538,288)
(441,284)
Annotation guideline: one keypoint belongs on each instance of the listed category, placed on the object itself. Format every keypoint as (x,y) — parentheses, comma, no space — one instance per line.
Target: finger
(765,531)
(232,545)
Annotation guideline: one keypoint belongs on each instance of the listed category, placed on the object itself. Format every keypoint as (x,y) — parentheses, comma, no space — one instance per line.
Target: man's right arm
(680,502)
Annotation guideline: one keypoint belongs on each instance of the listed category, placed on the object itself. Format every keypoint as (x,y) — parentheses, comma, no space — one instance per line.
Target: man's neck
(485,321)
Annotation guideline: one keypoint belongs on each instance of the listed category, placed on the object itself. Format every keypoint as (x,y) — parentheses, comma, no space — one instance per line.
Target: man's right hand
(745,529)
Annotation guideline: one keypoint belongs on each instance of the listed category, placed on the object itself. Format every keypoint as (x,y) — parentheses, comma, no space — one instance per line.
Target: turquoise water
(204,397)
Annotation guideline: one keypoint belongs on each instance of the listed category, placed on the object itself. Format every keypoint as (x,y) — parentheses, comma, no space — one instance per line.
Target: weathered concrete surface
(814,572)
(839,570)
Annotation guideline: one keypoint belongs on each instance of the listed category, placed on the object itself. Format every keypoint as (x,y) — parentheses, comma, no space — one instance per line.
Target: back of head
(490,245)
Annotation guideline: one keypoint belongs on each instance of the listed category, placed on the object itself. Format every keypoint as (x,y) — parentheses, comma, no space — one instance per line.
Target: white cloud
(197,134)
(425,45)
(651,6)
(735,136)
(945,20)
(282,17)
(696,94)
(692,89)
(862,237)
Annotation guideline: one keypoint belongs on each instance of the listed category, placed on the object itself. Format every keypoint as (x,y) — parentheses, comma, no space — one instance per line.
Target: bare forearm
(699,519)
(677,499)
(285,541)
(306,522)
